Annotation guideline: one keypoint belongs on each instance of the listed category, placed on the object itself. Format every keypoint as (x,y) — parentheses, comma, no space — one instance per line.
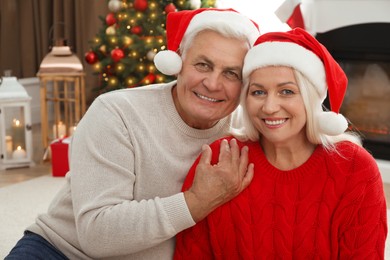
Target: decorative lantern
(62,88)
(15,124)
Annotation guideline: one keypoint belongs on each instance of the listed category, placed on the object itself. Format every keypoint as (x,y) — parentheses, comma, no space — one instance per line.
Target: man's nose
(213,81)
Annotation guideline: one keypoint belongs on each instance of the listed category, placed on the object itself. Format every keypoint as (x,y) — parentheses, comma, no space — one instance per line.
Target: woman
(316,193)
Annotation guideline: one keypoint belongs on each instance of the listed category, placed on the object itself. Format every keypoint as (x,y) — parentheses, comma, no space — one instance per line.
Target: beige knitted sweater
(129,157)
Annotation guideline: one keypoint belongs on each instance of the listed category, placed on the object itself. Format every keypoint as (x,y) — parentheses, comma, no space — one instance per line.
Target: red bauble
(140,5)
(136,30)
(117,54)
(110,19)
(91,57)
(149,79)
(170,8)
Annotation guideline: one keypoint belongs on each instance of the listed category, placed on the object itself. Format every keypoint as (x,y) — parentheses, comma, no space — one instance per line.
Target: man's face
(209,84)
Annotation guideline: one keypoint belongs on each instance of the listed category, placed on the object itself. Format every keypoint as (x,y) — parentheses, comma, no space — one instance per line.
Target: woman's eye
(257,93)
(287,92)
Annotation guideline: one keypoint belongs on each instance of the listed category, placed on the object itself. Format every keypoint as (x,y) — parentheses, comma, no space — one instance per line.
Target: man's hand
(215,185)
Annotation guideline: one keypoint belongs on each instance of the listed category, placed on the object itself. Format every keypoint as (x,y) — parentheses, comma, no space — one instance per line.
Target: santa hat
(181,23)
(301,51)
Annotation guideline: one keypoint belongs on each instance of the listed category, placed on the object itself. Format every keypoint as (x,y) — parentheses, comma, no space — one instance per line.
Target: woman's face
(275,105)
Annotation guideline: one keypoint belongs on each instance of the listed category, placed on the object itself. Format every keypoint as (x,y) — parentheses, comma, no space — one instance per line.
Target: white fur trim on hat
(331,123)
(290,55)
(212,19)
(168,62)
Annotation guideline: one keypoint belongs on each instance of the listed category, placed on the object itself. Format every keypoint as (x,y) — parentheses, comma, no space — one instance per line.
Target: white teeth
(275,122)
(207,98)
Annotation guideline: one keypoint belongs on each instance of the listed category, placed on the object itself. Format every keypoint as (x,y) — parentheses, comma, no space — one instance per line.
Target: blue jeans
(34,247)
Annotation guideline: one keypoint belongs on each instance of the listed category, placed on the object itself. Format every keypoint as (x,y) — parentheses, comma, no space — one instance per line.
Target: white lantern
(15,124)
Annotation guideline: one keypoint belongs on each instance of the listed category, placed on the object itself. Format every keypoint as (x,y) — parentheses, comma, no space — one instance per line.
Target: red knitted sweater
(331,207)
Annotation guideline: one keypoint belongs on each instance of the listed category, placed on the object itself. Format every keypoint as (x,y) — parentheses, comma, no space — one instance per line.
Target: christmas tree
(132,33)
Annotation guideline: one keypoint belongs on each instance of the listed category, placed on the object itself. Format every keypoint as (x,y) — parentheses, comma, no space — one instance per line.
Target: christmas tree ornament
(97,67)
(130,81)
(111,30)
(97,40)
(140,5)
(110,19)
(151,68)
(126,40)
(141,68)
(103,49)
(119,67)
(113,81)
(114,5)
(149,79)
(195,4)
(150,55)
(136,30)
(91,57)
(113,40)
(170,8)
(152,5)
(117,54)
(153,16)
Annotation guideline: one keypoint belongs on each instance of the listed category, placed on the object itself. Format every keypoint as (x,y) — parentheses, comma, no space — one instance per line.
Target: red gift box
(59,157)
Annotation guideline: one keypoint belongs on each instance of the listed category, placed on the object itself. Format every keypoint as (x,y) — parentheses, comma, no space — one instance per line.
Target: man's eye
(202,66)
(231,75)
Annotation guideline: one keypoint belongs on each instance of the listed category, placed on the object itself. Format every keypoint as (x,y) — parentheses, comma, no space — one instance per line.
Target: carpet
(22,202)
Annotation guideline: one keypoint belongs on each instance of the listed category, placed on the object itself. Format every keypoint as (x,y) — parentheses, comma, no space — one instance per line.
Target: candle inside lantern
(17,133)
(8,144)
(61,130)
(19,153)
(72,129)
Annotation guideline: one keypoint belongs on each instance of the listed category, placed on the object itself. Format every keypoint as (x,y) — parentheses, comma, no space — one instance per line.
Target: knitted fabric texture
(331,207)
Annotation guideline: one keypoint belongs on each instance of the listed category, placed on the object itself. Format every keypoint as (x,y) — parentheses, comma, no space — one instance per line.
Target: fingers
(205,157)
(243,164)
(229,150)
(248,176)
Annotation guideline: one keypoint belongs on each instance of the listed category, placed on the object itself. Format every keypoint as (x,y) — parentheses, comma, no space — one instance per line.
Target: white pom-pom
(168,62)
(332,124)
(195,4)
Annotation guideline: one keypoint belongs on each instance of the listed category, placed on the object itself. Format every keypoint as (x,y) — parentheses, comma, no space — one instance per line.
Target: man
(133,148)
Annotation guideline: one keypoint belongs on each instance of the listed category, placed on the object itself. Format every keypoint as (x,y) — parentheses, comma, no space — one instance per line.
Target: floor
(42,167)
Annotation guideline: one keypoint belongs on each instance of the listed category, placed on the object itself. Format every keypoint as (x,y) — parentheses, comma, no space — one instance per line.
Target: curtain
(28,28)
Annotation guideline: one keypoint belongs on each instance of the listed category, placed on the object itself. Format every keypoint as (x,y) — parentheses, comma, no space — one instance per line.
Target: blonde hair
(244,130)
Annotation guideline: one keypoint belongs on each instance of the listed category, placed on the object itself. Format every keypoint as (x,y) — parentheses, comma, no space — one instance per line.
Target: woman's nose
(270,105)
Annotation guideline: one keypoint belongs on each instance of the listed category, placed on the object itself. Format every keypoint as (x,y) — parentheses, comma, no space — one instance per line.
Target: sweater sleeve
(362,220)
(109,220)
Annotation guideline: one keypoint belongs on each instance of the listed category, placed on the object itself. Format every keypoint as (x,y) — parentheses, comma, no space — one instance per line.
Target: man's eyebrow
(207,60)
